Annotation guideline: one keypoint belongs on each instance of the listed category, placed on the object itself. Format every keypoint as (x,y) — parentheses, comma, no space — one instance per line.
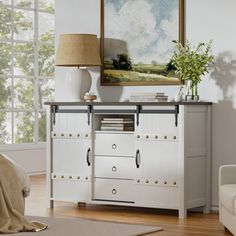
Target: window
(26,69)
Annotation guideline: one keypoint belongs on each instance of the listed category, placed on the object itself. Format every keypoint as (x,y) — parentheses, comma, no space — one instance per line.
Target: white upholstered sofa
(227,197)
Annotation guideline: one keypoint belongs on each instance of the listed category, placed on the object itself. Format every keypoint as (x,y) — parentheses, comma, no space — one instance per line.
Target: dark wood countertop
(126,103)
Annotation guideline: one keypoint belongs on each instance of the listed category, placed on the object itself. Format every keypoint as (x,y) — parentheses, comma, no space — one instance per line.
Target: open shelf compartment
(114,123)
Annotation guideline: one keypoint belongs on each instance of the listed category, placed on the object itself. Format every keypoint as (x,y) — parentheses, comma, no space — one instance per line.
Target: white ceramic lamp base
(77,83)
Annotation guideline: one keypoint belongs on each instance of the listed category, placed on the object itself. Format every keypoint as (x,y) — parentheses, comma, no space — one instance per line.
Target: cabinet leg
(81,204)
(182,213)
(51,204)
(207,209)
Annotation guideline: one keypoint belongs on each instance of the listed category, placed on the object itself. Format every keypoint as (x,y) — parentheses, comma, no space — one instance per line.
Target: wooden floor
(196,223)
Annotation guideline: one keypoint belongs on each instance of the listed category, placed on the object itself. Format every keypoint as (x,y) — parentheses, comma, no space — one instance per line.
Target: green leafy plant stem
(191,62)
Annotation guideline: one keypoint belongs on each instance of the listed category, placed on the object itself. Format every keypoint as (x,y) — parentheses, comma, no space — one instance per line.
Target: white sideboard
(163,163)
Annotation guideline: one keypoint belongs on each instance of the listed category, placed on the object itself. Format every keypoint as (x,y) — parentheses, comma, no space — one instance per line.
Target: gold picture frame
(108,71)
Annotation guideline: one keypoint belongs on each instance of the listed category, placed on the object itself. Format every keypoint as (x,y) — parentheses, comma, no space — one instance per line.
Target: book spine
(117,128)
(116,122)
(116,119)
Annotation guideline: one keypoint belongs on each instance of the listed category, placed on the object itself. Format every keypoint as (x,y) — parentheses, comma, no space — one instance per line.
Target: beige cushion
(228,197)
(24,178)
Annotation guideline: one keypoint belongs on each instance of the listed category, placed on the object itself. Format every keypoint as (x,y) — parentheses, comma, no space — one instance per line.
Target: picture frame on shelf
(137,50)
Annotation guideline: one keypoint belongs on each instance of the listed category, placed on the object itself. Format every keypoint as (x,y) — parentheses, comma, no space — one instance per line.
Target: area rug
(83,227)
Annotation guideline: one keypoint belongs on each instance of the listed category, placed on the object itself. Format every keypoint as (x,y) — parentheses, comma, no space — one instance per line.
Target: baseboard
(33,173)
(32,161)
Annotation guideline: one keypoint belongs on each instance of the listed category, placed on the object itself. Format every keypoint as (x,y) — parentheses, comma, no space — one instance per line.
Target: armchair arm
(227,174)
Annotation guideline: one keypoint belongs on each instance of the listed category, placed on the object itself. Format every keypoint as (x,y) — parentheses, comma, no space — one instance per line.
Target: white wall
(205,20)
(214,19)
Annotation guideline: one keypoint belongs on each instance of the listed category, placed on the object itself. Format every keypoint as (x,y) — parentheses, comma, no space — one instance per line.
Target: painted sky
(147,26)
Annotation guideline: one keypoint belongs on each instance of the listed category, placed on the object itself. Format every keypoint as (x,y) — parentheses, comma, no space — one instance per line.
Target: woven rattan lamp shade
(78,50)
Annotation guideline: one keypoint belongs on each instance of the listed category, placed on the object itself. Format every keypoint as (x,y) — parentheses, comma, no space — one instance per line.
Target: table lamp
(78,51)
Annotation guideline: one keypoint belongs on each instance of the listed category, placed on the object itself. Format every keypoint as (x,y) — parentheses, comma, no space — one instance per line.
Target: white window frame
(36,109)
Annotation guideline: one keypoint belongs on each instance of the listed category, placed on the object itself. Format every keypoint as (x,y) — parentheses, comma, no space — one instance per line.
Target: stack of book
(148,97)
(117,124)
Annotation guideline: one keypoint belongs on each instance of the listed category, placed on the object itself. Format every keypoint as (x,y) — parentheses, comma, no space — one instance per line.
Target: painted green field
(139,73)
(149,69)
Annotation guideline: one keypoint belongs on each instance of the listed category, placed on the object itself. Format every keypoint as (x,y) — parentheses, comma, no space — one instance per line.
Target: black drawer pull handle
(114,146)
(114,191)
(114,169)
(137,159)
(88,157)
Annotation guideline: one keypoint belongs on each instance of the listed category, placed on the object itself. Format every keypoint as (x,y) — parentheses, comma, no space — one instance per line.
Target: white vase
(180,93)
(77,83)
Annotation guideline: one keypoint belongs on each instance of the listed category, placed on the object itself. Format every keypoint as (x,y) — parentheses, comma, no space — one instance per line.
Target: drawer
(114,190)
(114,167)
(114,144)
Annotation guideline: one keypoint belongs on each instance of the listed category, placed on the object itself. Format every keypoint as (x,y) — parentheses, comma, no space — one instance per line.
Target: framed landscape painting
(136,41)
